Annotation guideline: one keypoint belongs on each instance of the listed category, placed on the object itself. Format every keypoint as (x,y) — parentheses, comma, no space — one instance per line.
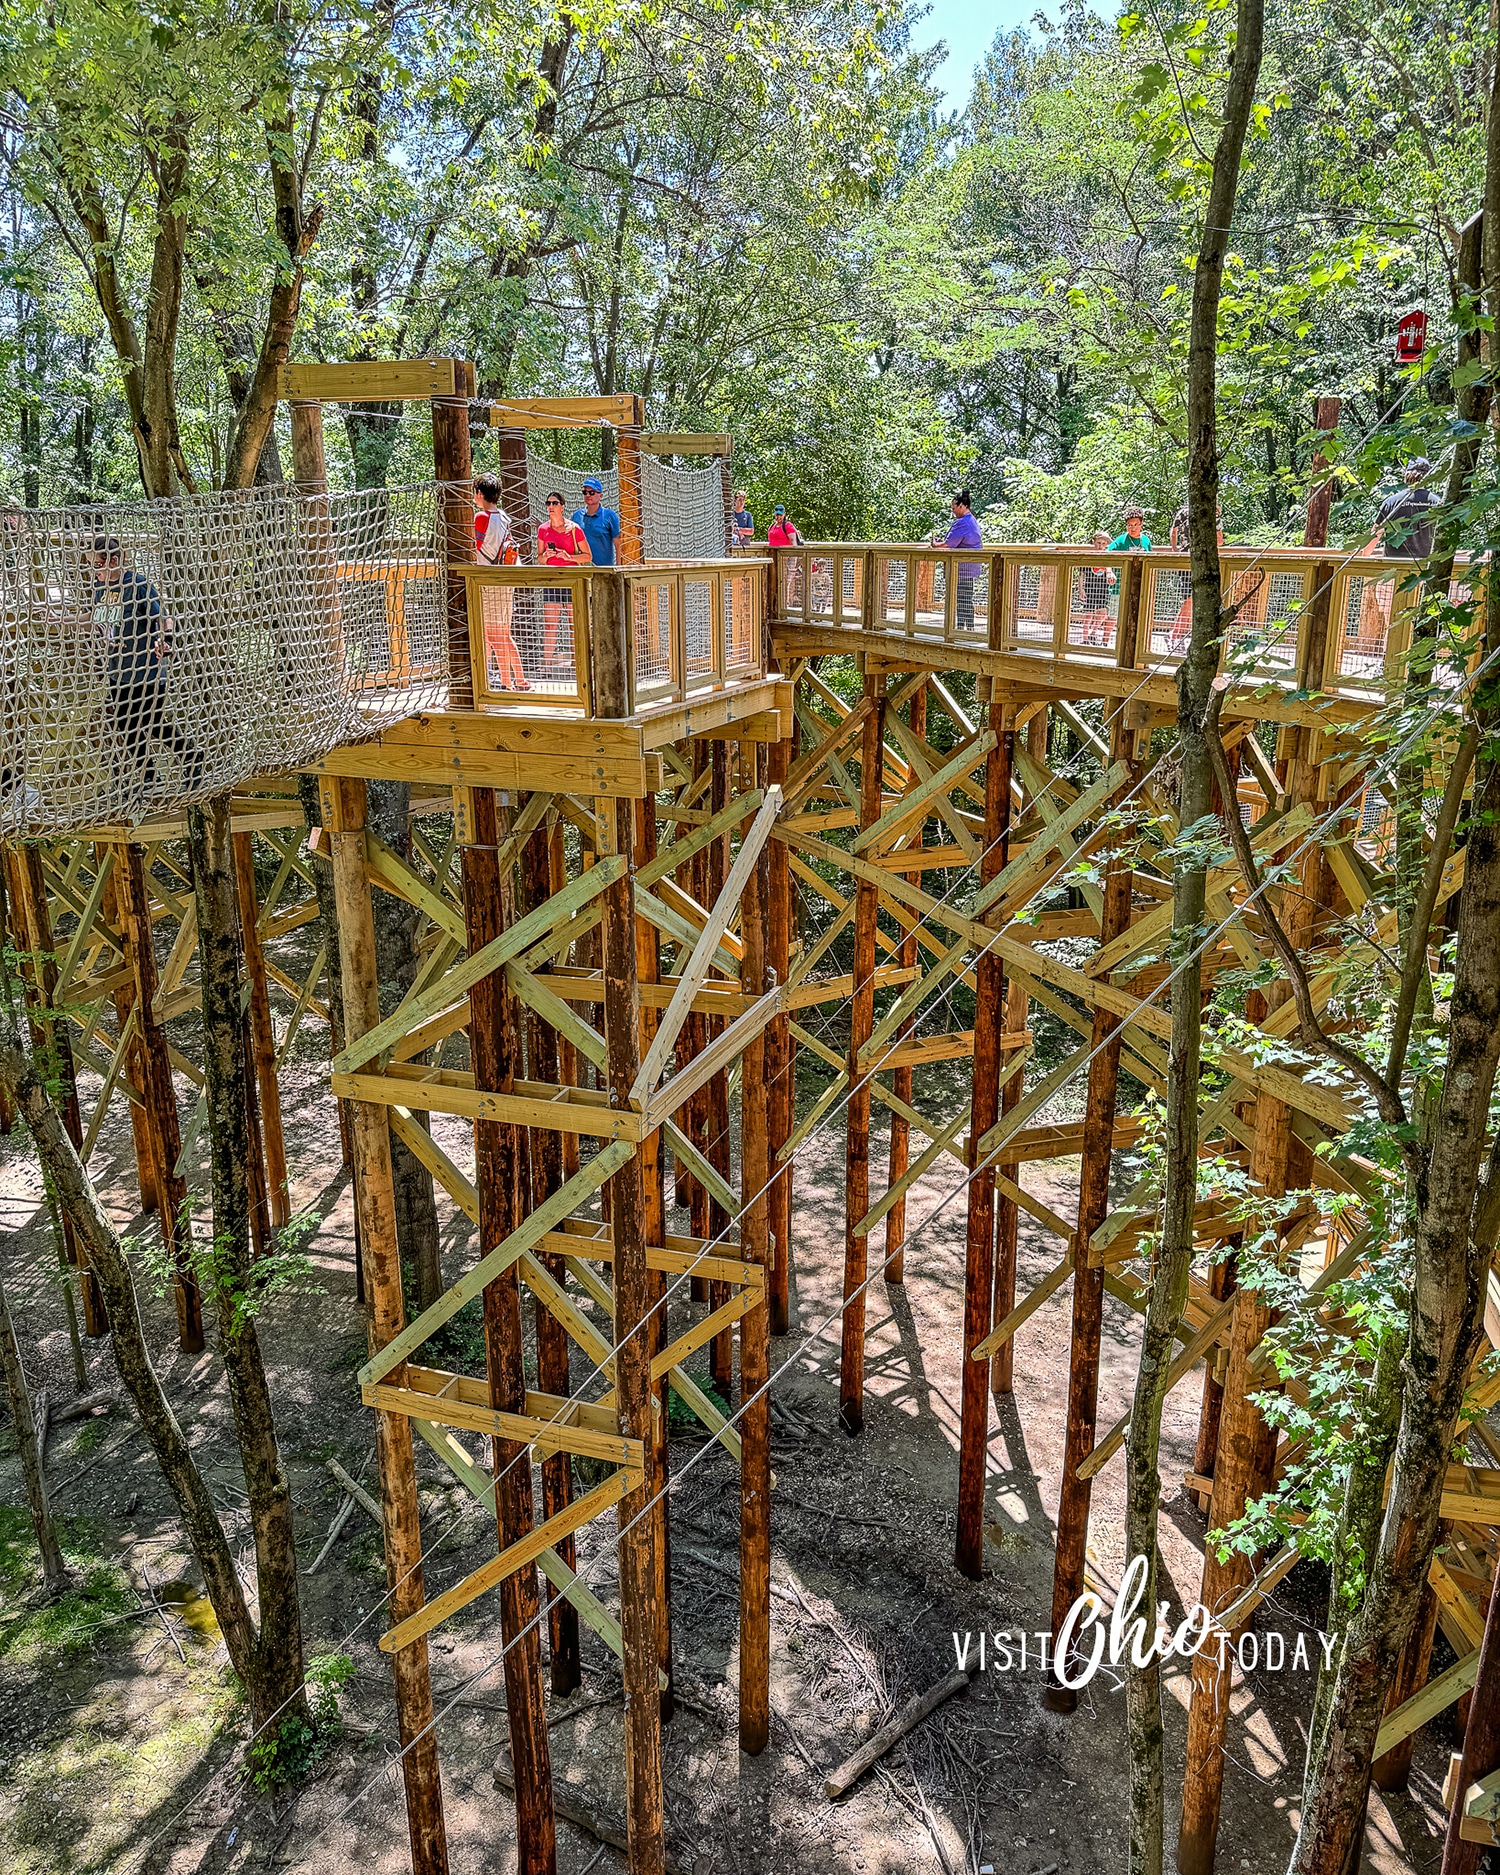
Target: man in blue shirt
(601,525)
(963,533)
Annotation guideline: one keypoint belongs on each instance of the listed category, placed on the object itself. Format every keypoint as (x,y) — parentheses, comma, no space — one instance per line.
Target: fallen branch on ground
(911,1714)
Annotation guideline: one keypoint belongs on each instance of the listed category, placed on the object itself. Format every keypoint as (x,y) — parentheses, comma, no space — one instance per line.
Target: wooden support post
(1391,1770)
(159,1095)
(552,1339)
(1093,1208)
(693,1037)
(632,1289)
(309,459)
(1221,1283)
(979,1255)
(781,1064)
(454,471)
(654,1224)
(34,928)
(632,544)
(374,1195)
(1481,1753)
(501,1175)
(1315,531)
(515,493)
(1007,1212)
(262,1036)
(755,1334)
(861,1026)
(124,1001)
(895,1218)
(717,1148)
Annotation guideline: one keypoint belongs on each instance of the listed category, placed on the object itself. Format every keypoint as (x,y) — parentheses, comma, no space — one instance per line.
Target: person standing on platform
(561,542)
(496,545)
(964,532)
(137,633)
(784,531)
(1096,589)
(742,521)
(1134,538)
(601,525)
(1400,526)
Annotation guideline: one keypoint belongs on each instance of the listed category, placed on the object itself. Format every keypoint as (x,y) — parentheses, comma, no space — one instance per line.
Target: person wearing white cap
(601,525)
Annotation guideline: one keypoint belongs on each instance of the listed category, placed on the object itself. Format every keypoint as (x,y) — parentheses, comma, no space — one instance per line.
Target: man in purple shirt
(963,533)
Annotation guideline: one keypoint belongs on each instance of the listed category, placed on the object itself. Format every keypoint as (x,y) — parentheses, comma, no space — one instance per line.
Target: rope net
(682,510)
(155,653)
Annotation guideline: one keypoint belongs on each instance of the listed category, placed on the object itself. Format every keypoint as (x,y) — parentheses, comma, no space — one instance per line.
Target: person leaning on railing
(964,532)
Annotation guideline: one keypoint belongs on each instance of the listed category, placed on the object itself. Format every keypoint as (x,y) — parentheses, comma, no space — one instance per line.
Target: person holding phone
(560,542)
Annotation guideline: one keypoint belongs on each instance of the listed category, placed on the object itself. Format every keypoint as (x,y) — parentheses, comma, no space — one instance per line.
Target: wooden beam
(668,443)
(387,382)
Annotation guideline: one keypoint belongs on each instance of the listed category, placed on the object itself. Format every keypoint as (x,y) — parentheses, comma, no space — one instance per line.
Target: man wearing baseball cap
(1401,527)
(601,525)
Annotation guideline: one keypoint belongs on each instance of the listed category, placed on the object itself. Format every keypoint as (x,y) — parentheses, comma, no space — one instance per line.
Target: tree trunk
(275,1672)
(1195,725)
(54,1570)
(132,1357)
(1456,1218)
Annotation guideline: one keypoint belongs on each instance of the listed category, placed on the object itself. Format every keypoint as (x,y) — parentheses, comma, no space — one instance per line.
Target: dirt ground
(120,1739)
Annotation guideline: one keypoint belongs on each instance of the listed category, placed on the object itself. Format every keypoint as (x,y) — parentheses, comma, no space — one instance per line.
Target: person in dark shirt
(137,636)
(1400,525)
(742,521)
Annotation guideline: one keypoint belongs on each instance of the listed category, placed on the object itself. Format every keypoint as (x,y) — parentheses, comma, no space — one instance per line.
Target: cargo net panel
(156,653)
(682,510)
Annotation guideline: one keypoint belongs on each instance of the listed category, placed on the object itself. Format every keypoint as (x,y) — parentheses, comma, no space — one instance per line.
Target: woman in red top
(560,543)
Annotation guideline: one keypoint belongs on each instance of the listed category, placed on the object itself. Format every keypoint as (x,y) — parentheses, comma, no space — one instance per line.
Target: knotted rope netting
(158,652)
(682,510)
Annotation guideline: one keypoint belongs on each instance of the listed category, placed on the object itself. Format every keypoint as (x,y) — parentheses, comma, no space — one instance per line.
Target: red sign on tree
(1411,338)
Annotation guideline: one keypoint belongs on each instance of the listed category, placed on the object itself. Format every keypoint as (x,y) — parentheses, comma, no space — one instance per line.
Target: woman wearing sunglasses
(559,543)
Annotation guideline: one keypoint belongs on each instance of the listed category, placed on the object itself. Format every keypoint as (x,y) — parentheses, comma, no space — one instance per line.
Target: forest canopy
(761,219)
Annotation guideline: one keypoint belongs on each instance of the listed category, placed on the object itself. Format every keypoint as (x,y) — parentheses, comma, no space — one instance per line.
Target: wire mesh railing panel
(1364,627)
(737,610)
(1263,634)
(820,587)
(698,630)
(651,614)
(1093,607)
(1031,595)
(156,652)
(544,627)
(891,577)
(1169,612)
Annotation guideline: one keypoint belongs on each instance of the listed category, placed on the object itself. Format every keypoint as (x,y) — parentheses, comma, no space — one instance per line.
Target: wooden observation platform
(610,922)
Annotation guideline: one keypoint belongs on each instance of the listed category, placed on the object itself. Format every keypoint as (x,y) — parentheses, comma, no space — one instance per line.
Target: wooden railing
(1064,601)
(694,628)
